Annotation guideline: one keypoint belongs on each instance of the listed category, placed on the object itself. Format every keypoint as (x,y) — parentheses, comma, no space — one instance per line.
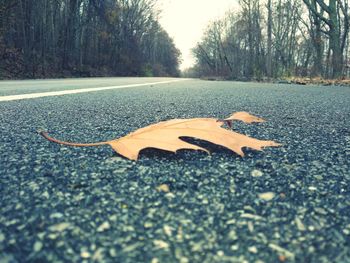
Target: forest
(275,39)
(83,38)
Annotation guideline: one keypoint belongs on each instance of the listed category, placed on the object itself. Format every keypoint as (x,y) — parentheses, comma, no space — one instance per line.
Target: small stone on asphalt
(38,245)
(256,173)
(104,226)
(268,196)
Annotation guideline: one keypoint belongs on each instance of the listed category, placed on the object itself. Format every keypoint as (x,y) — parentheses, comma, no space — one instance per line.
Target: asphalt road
(66,204)
(49,85)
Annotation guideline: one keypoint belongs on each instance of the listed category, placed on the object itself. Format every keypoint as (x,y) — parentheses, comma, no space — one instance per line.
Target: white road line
(75,91)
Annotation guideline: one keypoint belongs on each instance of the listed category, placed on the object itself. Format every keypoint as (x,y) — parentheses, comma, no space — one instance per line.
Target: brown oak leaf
(167,135)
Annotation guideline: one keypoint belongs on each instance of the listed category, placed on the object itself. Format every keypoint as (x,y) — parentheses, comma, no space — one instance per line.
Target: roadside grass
(319,81)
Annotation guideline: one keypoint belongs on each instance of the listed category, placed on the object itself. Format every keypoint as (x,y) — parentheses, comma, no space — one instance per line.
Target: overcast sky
(186,20)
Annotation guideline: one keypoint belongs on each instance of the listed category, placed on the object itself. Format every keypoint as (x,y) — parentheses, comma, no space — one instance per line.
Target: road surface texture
(67,204)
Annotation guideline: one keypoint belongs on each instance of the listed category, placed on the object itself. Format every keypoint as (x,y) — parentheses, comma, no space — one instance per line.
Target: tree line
(59,38)
(277,38)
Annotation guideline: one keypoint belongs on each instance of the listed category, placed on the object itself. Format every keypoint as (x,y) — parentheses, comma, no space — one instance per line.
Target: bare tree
(287,38)
(336,16)
(53,38)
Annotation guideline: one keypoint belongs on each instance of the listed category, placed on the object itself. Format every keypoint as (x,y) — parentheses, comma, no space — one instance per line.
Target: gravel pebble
(38,245)
(104,226)
(59,227)
(268,196)
(2,237)
(256,173)
(85,254)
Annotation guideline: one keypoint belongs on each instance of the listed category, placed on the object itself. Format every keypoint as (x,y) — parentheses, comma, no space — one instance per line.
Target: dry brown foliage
(167,135)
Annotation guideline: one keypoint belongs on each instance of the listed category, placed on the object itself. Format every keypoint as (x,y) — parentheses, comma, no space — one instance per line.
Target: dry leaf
(166,136)
(245,117)
(242,116)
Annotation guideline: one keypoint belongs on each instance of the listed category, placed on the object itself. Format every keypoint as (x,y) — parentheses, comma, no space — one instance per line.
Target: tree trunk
(337,21)
(334,40)
(269,40)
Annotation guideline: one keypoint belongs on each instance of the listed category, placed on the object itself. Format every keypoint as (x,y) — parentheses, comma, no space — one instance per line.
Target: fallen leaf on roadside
(245,117)
(167,135)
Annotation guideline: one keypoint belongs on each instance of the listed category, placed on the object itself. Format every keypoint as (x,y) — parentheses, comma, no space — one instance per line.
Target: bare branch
(324,6)
(316,13)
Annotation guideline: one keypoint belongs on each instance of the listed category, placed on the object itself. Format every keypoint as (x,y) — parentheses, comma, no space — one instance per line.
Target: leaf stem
(46,136)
